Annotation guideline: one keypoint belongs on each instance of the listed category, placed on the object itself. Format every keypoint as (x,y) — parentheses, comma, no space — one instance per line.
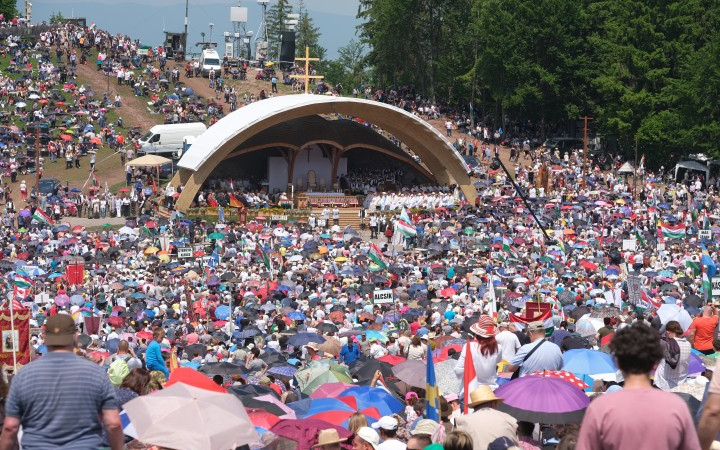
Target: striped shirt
(58,399)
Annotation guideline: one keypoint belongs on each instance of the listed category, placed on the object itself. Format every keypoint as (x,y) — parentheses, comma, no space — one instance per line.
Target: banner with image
(17,340)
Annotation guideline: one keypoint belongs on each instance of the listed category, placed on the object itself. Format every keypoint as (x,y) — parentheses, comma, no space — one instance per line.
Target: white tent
(692,165)
(148,161)
(626,168)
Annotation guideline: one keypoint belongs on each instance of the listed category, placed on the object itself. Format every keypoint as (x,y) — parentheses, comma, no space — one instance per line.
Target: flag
(264,256)
(649,300)
(707,261)
(521,322)
(40,216)
(507,246)
(378,258)
(235,203)
(469,376)
(154,185)
(95,180)
(22,281)
(214,258)
(707,286)
(639,237)
(432,396)
(671,231)
(695,266)
(492,311)
(405,224)
(232,185)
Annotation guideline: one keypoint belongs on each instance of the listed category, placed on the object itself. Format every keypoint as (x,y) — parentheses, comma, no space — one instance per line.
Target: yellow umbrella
(341,259)
(164,258)
(151,250)
(322,250)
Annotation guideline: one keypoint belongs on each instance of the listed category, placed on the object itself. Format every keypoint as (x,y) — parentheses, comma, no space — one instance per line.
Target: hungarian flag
(95,180)
(671,231)
(405,224)
(521,322)
(264,256)
(507,246)
(469,375)
(695,266)
(22,281)
(40,216)
(376,255)
(648,301)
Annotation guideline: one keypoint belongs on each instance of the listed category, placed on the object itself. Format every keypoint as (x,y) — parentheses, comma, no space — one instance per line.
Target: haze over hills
(144,20)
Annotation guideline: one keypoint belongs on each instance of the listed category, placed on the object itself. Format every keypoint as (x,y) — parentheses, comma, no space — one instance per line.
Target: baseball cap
(386,423)
(369,435)
(60,330)
(536,326)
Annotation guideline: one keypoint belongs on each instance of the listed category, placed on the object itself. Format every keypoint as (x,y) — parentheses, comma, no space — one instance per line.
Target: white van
(166,140)
(209,60)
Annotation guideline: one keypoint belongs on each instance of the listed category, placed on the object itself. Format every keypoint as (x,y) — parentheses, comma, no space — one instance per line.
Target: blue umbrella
(130,283)
(300,339)
(283,371)
(112,345)
(222,312)
(191,364)
(245,334)
(54,275)
(588,362)
(77,300)
(137,295)
(297,315)
(367,397)
(149,313)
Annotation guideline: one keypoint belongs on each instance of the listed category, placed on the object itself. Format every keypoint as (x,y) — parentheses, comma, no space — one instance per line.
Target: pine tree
(276,16)
(307,35)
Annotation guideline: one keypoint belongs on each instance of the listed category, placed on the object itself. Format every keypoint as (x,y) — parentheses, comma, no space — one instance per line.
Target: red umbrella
(563,375)
(261,418)
(337,316)
(23,255)
(392,360)
(124,189)
(116,321)
(448,292)
(66,137)
(78,229)
(193,378)
(587,265)
(144,335)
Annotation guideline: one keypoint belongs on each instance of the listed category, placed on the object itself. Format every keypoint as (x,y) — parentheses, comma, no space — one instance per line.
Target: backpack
(118,371)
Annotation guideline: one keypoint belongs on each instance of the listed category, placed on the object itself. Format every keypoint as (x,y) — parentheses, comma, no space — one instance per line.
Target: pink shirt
(622,420)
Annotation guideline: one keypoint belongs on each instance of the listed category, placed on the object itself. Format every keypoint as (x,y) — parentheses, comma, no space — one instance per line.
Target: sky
(144,19)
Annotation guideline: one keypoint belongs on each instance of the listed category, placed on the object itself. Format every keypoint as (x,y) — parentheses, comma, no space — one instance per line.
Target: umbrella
(413,372)
(252,390)
(191,377)
(365,369)
(184,417)
(668,312)
(319,372)
(330,390)
(300,339)
(563,375)
(605,311)
(223,368)
(368,396)
(305,432)
(588,362)
(545,400)
(287,412)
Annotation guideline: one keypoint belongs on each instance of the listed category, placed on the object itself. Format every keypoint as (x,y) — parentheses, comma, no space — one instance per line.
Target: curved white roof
(229,126)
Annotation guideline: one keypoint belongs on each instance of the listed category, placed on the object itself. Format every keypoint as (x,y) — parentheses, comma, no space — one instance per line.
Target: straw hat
(330,436)
(485,327)
(482,394)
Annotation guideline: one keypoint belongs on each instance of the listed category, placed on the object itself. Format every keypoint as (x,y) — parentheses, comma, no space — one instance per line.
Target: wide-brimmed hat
(329,436)
(485,327)
(481,395)
(314,346)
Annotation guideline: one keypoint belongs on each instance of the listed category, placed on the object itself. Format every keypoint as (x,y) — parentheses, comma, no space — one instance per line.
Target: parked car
(48,186)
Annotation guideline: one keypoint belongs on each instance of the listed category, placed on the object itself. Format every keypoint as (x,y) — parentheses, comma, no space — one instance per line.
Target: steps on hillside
(348,216)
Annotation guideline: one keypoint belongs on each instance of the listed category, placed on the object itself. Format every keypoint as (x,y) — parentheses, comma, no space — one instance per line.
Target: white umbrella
(668,312)
(33,96)
(184,417)
(295,258)
(20,105)
(127,230)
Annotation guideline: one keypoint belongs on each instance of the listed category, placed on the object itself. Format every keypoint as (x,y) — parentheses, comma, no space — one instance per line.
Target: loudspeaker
(287,47)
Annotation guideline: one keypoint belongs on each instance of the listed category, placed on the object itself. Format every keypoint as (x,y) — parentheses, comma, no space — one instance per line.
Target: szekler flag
(521,322)
(377,257)
(40,216)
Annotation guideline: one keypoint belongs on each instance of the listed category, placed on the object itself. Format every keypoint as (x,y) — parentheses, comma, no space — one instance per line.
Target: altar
(312,171)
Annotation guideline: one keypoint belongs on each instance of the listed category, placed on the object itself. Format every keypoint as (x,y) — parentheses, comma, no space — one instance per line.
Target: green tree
(8,8)
(276,16)
(308,35)
(57,17)
(352,59)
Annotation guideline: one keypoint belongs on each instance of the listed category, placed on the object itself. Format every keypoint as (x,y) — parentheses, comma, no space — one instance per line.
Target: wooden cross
(307,75)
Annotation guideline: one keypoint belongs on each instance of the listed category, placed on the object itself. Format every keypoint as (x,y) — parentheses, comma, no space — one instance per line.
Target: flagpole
(12,331)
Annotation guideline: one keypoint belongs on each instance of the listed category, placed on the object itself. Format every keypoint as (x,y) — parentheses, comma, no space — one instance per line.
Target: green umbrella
(469,231)
(320,372)
(546,259)
(215,236)
(107,225)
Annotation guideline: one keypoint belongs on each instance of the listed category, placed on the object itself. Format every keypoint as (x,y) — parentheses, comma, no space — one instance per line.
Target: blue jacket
(348,355)
(154,359)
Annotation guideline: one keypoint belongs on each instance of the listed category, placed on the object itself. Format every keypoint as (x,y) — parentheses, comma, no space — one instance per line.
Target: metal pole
(636,169)
(585,132)
(37,163)
(186,22)
(522,196)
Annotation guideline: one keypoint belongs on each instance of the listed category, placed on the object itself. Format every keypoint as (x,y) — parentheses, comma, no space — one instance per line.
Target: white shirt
(509,344)
(392,444)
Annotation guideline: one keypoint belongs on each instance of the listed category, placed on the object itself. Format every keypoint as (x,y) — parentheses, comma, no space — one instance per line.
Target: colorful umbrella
(320,372)
(563,375)
(412,372)
(545,400)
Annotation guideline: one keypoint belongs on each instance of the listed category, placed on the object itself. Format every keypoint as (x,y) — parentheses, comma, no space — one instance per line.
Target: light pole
(211,25)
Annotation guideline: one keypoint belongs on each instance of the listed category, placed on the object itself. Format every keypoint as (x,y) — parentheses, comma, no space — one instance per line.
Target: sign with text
(705,234)
(634,285)
(383,296)
(715,286)
(629,244)
(185,252)
(278,218)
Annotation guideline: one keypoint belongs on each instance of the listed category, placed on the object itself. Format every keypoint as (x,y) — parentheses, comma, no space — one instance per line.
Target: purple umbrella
(62,300)
(25,213)
(543,400)
(695,365)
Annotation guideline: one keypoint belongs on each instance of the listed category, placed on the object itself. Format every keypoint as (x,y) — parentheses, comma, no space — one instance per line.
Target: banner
(19,340)
(75,273)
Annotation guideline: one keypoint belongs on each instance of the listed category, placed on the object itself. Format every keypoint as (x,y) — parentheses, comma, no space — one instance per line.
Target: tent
(626,168)
(692,165)
(148,161)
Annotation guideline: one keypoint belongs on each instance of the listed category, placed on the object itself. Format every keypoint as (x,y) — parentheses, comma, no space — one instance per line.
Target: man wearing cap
(366,439)
(58,398)
(508,341)
(387,427)
(538,355)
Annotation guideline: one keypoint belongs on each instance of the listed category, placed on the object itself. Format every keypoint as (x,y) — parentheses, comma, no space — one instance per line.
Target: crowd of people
(593,299)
